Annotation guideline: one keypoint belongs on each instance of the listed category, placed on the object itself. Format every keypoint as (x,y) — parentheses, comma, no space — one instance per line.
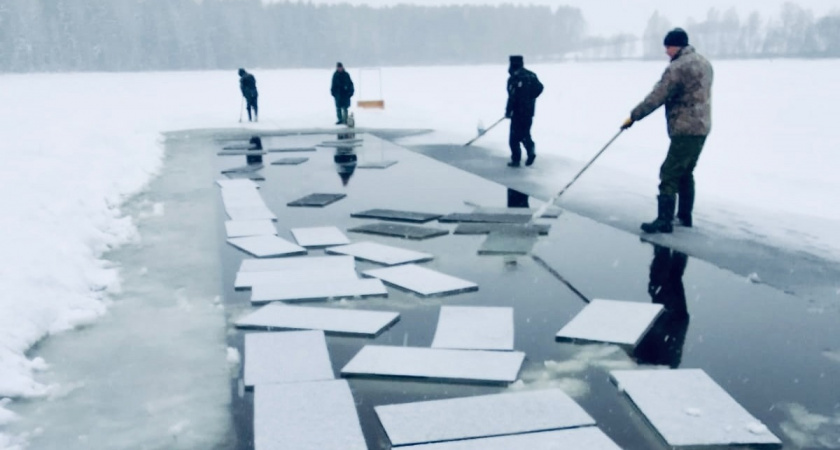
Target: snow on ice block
(399,216)
(241,197)
(400,230)
(552,212)
(317,290)
(376,164)
(330,320)
(318,415)
(291,149)
(687,408)
(250,213)
(224,184)
(319,236)
(612,321)
(344,141)
(380,253)
(307,263)
(585,438)
(246,280)
(244,228)
(286,357)
(288,161)
(451,365)
(474,328)
(481,416)
(317,200)
(485,217)
(262,246)
(487,228)
(422,280)
(250,168)
(514,241)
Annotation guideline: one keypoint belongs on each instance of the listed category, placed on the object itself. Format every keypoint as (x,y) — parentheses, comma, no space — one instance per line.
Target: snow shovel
(484,132)
(554,199)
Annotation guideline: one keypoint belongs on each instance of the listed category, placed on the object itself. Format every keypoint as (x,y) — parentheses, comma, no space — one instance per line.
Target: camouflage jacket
(686,91)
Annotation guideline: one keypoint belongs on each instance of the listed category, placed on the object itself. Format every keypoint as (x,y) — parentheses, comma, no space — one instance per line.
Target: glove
(627,124)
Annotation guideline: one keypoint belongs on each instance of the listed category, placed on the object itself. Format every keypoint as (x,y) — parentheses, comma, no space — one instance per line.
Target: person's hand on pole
(627,123)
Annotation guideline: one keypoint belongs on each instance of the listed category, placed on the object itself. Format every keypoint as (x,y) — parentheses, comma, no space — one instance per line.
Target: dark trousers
(676,176)
(341,105)
(252,104)
(520,132)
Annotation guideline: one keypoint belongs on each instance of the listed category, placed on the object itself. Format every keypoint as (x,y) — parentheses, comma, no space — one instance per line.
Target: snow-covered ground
(76,145)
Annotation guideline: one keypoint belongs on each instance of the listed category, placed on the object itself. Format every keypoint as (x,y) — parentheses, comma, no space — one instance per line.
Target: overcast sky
(607,17)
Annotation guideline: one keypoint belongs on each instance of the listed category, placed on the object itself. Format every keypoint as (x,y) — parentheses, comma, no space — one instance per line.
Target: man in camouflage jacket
(686,91)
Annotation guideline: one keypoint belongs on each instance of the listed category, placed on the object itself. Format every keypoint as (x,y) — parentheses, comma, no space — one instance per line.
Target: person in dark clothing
(248,86)
(523,88)
(663,344)
(341,90)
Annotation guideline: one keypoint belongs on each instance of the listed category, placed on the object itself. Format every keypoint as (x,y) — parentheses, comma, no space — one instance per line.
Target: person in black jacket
(523,88)
(341,90)
(248,86)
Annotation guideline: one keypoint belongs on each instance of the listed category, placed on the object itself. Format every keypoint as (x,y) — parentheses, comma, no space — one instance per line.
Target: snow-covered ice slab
(509,242)
(380,253)
(244,228)
(250,213)
(289,161)
(319,236)
(612,321)
(318,415)
(443,364)
(242,152)
(343,141)
(474,328)
(400,216)
(250,168)
(486,217)
(422,280)
(308,263)
(552,212)
(481,416)
(292,149)
(317,290)
(400,230)
(688,408)
(317,200)
(330,320)
(376,165)
(286,357)
(585,438)
(262,246)
(225,184)
(487,228)
(246,280)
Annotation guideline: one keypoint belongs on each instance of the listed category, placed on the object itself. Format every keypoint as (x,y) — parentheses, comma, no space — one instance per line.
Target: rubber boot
(686,204)
(663,222)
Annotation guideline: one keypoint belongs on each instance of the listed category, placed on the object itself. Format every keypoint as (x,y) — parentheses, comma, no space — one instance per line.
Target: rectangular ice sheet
(486,228)
(485,217)
(286,357)
(243,228)
(481,416)
(451,365)
(422,280)
(474,328)
(509,242)
(317,200)
(317,290)
(612,321)
(376,164)
(380,253)
(303,263)
(688,408)
(245,280)
(399,216)
(262,246)
(291,149)
(317,415)
(330,320)
(288,161)
(586,438)
(225,184)
(319,236)
(400,230)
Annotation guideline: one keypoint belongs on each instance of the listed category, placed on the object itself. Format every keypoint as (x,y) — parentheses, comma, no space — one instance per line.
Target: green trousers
(676,176)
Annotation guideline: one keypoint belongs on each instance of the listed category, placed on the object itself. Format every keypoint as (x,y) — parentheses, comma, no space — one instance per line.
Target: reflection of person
(663,345)
(248,86)
(523,88)
(516,199)
(345,163)
(686,91)
(341,90)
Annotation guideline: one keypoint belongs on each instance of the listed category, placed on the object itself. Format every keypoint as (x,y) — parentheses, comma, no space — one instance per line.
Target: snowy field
(77,145)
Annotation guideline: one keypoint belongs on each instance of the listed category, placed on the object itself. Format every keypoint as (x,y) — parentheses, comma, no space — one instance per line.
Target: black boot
(663,222)
(686,204)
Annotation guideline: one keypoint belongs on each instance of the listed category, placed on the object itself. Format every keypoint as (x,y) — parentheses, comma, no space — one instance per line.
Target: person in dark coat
(341,90)
(686,91)
(523,88)
(248,86)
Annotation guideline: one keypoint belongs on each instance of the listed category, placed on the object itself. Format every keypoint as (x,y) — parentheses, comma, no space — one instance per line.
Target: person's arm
(657,97)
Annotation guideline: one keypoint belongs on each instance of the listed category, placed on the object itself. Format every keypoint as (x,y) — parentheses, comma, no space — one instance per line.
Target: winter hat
(242,72)
(516,62)
(676,38)
(338,64)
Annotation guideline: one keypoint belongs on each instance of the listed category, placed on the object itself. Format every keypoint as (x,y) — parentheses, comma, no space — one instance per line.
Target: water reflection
(663,345)
(516,199)
(345,163)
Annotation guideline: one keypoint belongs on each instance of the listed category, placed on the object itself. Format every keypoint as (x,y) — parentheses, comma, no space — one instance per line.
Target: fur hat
(676,38)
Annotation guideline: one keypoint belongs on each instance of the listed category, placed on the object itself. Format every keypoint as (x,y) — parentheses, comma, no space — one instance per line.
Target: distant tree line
(129,35)
(795,33)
